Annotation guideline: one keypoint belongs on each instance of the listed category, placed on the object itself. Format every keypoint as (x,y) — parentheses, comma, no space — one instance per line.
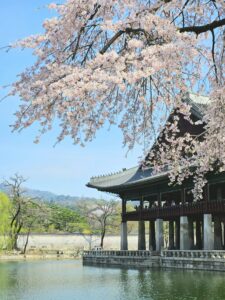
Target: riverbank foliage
(21,214)
(26,216)
(58,219)
(5,207)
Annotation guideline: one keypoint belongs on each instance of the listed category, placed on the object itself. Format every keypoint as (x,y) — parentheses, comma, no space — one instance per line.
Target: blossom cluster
(128,63)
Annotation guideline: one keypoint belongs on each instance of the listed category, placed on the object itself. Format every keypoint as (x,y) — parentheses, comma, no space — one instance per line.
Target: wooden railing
(113,253)
(205,254)
(167,212)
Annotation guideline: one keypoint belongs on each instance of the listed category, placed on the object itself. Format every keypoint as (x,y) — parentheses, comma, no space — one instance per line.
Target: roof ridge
(124,170)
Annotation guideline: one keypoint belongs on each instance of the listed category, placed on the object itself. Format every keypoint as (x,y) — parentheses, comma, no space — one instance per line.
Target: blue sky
(64,169)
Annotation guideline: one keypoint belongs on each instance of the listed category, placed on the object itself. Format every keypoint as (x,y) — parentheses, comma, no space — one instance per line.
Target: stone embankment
(189,259)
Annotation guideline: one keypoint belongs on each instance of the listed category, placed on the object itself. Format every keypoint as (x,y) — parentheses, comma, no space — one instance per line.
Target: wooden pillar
(159,235)
(217,234)
(218,242)
(152,245)
(159,199)
(198,235)
(123,240)
(206,192)
(223,235)
(177,243)
(219,194)
(141,229)
(184,234)
(191,233)
(123,228)
(171,235)
(141,235)
(183,196)
(207,232)
(124,204)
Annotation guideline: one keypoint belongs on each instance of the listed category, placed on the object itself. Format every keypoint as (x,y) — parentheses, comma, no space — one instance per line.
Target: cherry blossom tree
(130,63)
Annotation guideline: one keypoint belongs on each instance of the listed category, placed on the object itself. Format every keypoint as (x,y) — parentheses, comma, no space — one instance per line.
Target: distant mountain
(46,196)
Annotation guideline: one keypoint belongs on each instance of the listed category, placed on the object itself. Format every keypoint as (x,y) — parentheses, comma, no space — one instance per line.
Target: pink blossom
(102,59)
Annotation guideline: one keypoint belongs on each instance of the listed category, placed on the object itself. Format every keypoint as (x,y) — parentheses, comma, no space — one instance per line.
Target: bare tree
(89,238)
(100,215)
(33,214)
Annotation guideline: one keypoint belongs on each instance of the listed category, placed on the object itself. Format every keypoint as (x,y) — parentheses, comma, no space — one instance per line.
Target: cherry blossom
(131,63)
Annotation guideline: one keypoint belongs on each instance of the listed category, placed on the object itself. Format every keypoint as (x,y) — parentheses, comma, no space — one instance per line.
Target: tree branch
(213,54)
(196,29)
(119,33)
(83,28)
(203,28)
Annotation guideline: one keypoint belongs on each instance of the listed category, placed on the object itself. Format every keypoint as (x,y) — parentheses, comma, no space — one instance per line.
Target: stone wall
(135,262)
(74,241)
(193,264)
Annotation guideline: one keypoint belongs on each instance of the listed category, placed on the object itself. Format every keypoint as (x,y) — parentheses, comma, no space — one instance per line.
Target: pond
(68,279)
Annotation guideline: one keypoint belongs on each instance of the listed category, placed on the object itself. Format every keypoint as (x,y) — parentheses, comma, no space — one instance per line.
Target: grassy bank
(13,255)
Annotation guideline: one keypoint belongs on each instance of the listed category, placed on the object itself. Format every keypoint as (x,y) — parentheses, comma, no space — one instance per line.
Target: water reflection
(172,285)
(56,280)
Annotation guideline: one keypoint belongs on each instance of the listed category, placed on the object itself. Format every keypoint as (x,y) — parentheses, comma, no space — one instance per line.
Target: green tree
(5,208)
(66,220)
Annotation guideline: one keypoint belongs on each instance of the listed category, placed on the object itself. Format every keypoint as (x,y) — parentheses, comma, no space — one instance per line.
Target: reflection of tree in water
(171,285)
(8,277)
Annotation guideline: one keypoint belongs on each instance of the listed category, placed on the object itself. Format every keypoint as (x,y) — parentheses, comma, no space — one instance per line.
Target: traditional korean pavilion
(192,224)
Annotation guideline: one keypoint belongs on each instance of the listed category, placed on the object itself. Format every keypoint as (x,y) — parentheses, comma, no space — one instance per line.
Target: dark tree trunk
(14,235)
(26,243)
(102,238)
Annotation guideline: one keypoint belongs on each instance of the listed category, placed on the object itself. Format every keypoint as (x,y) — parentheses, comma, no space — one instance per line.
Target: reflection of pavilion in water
(192,225)
(176,284)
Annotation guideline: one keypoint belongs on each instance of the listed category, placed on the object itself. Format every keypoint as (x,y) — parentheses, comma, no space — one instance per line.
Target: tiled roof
(198,103)
(125,178)
(136,175)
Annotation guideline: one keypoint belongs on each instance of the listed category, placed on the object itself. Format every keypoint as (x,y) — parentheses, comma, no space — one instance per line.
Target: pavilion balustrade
(112,253)
(170,212)
(190,254)
(207,254)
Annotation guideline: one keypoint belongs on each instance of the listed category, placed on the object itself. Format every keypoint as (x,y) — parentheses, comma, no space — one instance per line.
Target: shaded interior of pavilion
(174,220)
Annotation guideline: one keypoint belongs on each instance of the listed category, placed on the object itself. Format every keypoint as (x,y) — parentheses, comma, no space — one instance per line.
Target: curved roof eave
(126,185)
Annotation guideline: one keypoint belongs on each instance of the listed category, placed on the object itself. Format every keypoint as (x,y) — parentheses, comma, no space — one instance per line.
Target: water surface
(68,279)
